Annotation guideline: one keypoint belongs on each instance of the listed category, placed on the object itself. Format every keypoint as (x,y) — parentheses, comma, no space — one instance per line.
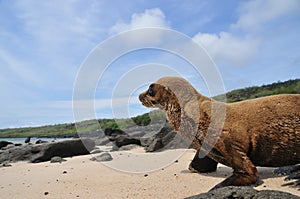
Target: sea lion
(257,132)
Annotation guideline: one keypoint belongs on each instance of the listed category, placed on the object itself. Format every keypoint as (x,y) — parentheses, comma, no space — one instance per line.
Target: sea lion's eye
(151,91)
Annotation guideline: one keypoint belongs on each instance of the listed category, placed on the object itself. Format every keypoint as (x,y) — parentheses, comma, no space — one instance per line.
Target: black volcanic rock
(243,193)
(57,159)
(166,138)
(44,152)
(126,140)
(4,144)
(155,145)
(113,132)
(292,172)
(40,142)
(104,157)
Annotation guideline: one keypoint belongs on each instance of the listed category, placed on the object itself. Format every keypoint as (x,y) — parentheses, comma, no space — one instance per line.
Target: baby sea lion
(258,132)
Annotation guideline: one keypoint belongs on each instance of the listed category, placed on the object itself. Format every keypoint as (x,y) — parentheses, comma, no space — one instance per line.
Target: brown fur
(258,132)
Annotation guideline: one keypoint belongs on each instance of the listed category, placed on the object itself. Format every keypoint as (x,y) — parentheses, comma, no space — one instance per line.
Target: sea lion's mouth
(148,104)
(145,101)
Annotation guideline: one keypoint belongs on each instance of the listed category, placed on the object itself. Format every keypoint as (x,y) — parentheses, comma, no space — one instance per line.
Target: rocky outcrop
(40,142)
(104,157)
(166,138)
(118,138)
(4,144)
(124,140)
(292,172)
(152,137)
(57,159)
(128,147)
(243,192)
(44,152)
(113,132)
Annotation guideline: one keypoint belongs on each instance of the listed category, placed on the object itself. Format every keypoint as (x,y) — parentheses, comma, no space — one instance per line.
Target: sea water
(32,140)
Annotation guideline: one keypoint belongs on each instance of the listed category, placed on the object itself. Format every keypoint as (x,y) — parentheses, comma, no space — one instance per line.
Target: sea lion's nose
(141,97)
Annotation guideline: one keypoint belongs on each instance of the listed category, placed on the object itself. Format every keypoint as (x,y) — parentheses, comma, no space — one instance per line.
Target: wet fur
(257,132)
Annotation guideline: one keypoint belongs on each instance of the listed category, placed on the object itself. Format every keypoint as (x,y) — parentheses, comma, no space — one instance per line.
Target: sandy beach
(79,177)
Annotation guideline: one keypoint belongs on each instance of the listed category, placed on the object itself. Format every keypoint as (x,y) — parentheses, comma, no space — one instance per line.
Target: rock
(292,172)
(114,148)
(104,157)
(113,132)
(44,152)
(40,142)
(67,148)
(9,146)
(166,138)
(243,192)
(137,133)
(96,151)
(147,141)
(153,136)
(287,170)
(126,140)
(228,193)
(5,164)
(4,144)
(128,147)
(155,145)
(102,141)
(144,131)
(274,195)
(110,144)
(57,159)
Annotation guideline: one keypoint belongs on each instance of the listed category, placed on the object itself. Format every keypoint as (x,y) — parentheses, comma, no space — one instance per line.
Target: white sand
(88,179)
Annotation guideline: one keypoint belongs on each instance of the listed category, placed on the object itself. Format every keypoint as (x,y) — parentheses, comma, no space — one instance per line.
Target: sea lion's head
(176,96)
(157,96)
(171,94)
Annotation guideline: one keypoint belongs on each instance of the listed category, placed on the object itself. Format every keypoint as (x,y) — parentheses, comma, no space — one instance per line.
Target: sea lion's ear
(167,88)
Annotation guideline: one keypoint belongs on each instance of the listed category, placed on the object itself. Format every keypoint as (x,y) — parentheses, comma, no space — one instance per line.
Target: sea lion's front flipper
(202,165)
(244,171)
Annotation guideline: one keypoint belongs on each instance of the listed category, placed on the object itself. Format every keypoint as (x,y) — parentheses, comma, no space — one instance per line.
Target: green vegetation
(43,131)
(89,126)
(62,130)
(287,87)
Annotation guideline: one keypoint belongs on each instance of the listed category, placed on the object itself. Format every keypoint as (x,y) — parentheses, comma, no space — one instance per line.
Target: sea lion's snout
(148,97)
(141,97)
(157,96)
(144,98)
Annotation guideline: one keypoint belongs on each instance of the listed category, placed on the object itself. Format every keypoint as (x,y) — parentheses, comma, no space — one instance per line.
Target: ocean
(32,140)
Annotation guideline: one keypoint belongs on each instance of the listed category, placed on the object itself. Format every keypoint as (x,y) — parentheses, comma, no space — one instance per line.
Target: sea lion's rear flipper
(292,172)
(202,165)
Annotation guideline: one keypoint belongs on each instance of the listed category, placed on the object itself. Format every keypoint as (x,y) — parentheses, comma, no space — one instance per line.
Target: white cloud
(19,68)
(241,43)
(254,14)
(46,21)
(150,18)
(228,48)
(96,103)
(56,30)
(88,109)
(49,40)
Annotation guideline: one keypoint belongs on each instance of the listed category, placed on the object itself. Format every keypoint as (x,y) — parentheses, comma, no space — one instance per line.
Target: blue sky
(44,43)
